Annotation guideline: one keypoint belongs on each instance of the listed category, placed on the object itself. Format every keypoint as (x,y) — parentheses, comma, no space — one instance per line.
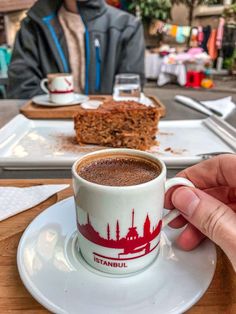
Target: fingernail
(185,200)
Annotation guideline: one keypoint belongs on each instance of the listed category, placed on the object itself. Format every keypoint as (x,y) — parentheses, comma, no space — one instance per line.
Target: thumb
(213,218)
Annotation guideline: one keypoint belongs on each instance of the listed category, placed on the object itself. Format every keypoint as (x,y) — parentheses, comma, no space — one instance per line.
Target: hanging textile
(220,33)
(206,36)
(211,45)
(194,37)
(180,33)
(173,30)
(200,35)
(186,31)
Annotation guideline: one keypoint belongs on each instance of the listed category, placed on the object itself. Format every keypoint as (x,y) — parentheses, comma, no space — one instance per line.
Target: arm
(132,60)
(24,71)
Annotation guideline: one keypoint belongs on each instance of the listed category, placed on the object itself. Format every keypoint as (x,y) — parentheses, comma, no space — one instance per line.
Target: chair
(5,56)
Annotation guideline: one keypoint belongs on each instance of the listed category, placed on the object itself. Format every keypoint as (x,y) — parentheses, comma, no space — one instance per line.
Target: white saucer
(43,100)
(58,279)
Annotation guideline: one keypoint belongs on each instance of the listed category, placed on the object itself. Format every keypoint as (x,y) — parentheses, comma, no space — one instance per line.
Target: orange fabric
(211,45)
(173,30)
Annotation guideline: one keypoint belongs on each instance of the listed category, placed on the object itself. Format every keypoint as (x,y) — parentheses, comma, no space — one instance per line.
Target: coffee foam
(126,170)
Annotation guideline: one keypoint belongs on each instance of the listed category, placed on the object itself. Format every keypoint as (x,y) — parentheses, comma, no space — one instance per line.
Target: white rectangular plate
(26,143)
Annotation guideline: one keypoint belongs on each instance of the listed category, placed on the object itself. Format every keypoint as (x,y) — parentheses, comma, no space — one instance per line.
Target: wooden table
(14,298)
(220,298)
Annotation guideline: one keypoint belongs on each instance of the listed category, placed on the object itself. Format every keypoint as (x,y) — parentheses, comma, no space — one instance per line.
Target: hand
(210,208)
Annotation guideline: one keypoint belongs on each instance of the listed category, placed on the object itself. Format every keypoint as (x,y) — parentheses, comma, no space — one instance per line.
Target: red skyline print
(132,243)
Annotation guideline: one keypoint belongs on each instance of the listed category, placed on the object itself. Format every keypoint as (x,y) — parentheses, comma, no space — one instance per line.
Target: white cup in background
(60,88)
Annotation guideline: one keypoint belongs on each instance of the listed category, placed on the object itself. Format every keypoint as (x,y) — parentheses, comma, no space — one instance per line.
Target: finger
(224,194)
(190,238)
(178,222)
(217,171)
(213,218)
(168,202)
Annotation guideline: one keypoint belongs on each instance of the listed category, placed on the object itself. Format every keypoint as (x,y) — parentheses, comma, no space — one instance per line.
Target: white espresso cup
(119,227)
(60,88)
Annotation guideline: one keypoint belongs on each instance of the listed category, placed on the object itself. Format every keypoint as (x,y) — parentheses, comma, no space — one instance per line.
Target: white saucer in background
(56,277)
(43,100)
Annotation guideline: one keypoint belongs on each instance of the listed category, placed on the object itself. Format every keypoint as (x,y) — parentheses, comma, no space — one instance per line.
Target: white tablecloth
(157,68)
(170,72)
(153,64)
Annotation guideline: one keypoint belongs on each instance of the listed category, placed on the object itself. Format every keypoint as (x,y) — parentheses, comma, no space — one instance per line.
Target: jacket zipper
(98,64)
(87,57)
(87,60)
(47,21)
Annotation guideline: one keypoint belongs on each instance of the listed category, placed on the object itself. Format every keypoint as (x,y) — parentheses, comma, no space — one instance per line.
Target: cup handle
(168,185)
(43,85)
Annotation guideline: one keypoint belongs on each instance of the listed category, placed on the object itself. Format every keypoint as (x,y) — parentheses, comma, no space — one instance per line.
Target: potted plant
(151,9)
(230,13)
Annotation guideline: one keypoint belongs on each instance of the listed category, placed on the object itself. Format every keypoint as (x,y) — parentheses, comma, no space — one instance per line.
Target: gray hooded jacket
(113,39)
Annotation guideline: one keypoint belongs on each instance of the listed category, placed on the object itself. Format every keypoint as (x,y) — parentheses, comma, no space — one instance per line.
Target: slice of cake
(117,124)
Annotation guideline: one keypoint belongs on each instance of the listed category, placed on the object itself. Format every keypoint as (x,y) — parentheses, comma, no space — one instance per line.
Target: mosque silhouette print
(132,246)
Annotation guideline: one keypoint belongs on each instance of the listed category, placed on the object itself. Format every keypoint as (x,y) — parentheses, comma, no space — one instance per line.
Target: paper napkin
(223,105)
(145,100)
(14,200)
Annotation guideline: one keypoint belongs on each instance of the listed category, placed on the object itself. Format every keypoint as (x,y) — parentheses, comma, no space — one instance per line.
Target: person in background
(210,208)
(89,38)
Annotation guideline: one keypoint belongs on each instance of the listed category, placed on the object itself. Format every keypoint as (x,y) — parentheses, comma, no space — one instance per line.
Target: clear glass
(127,87)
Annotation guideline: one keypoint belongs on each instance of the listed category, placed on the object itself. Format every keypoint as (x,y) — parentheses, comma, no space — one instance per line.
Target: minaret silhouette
(108,232)
(117,231)
(132,233)
(147,227)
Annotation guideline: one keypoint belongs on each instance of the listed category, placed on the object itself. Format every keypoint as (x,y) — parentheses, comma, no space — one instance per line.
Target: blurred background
(174,32)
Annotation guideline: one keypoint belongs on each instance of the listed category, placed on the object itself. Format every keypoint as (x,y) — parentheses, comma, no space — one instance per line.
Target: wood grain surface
(33,111)
(220,297)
